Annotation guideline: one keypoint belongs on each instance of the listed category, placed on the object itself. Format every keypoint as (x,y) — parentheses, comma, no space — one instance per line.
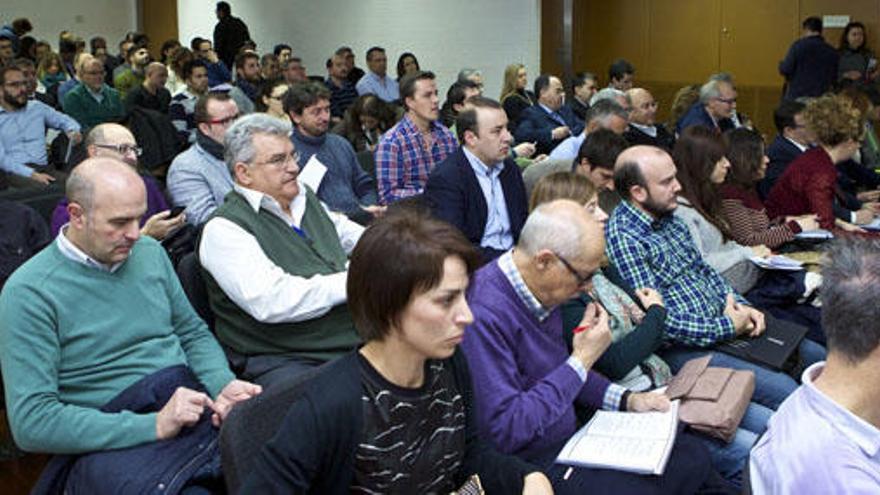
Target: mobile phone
(177,210)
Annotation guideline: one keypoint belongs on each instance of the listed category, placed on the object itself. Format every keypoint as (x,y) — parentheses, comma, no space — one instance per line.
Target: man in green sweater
(92,102)
(275,260)
(98,312)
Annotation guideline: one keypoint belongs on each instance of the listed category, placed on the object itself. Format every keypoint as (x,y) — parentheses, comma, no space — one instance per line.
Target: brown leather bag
(713,400)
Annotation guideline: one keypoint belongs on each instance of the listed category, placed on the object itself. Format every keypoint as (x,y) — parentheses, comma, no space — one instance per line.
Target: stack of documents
(778,262)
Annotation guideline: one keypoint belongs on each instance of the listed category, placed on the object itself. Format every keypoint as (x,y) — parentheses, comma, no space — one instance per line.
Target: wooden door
(158,19)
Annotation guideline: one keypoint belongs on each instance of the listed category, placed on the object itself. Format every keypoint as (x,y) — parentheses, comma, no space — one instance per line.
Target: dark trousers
(268,370)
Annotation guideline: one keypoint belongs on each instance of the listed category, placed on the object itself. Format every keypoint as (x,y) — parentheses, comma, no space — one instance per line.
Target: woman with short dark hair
(396,416)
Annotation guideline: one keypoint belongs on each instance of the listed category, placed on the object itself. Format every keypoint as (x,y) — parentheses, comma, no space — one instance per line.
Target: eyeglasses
(582,280)
(122,149)
(729,101)
(280,160)
(227,120)
(15,84)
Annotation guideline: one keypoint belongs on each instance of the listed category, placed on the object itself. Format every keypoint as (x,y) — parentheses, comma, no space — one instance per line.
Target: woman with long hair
(857,61)
(365,121)
(515,98)
(396,415)
(407,63)
(741,207)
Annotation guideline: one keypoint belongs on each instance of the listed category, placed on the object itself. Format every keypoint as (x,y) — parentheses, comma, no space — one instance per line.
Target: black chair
(367,162)
(190,275)
(251,424)
(43,199)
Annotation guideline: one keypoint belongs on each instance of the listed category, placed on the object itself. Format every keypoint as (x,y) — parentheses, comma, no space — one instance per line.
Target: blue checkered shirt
(614,393)
(403,163)
(661,254)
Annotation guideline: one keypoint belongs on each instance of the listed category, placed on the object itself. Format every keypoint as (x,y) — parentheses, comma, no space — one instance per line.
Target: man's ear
(638,193)
(77,214)
(242,174)
(543,259)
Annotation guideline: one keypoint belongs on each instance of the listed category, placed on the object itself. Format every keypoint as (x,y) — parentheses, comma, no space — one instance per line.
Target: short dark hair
(784,114)
(194,44)
(601,149)
(97,42)
(303,95)
(626,175)
(342,50)
(581,78)
(373,50)
(850,288)
(266,89)
(22,25)
(281,47)
(408,83)
(467,118)
(7,69)
(242,57)
(455,96)
(400,256)
(541,83)
(190,66)
(619,69)
(134,49)
(200,114)
(813,23)
(224,7)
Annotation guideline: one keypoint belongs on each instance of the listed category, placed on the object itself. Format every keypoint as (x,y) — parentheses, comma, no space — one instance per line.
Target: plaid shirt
(661,254)
(614,393)
(403,164)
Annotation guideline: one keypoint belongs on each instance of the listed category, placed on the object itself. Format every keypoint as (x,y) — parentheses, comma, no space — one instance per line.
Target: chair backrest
(367,162)
(251,424)
(190,275)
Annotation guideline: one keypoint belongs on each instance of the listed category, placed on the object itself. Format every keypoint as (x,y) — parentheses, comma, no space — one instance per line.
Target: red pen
(582,328)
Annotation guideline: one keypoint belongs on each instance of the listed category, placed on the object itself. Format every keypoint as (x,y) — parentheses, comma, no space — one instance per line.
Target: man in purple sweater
(526,382)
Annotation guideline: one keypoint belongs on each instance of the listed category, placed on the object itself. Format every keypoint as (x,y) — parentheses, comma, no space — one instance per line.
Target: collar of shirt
(547,109)
(70,251)
(97,95)
(258,200)
(382,81)
(640,219)
(410,127)
(797,144)
(650,130)
(859,431)
(509,269)
(481,168)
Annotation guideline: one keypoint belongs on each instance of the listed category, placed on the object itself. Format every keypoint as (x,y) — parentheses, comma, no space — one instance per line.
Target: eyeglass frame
(280,163)
(224,121)
(581,280)
(121,148)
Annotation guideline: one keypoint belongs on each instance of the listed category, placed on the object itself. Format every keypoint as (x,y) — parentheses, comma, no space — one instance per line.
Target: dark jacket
(781,152)
(314,449)
(809,67)
(578,109)
(229,34)
(155,133)
(696,115)
(163,466)
(536,126)
(23,232)
(454,195)
(664,139)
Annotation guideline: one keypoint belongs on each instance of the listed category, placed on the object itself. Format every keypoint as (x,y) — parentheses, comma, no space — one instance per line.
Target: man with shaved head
(103,356)
(653,248)
(151,93)
(643,127)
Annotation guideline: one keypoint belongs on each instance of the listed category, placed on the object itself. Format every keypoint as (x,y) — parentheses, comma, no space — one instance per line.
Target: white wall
(86,18)
(445,35)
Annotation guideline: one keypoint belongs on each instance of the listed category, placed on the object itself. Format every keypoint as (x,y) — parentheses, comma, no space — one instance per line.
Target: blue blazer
(781,152)
(536,126)
(454,195)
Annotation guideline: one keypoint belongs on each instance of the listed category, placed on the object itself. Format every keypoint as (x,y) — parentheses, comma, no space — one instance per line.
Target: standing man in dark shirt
(810,66)
(229,34)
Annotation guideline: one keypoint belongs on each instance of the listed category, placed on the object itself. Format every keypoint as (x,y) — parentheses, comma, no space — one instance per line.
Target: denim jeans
(730,458)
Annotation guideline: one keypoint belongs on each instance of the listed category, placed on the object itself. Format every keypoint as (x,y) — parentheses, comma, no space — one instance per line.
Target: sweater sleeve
(745,227)
(30,354)
(513,415)
(499,473)
(203,353)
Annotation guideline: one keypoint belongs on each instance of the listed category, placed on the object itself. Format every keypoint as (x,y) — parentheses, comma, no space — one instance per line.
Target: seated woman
(740,205)
(809,184)
(270,98)
(636,319)
(702,168)
(396,416)
(514,96)
(365,121)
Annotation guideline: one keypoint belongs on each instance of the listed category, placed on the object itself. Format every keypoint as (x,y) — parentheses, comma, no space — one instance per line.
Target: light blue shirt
(23,135)
(497,234)
(568,149)
(383,87)
(198,181)
(815,445)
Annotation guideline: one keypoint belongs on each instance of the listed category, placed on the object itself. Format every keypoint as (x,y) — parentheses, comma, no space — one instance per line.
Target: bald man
(116,141)
(653,248)
(101,351)
(151,93)
(526,382)
(643,127)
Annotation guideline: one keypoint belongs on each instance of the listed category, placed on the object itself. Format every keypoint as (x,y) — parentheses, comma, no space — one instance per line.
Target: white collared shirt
(797,144)
(256,284)
(70,251)
(650,130)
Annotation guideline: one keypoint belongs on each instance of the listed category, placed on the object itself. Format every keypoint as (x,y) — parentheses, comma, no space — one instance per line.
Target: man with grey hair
(526,381)
(643,127)
(605,113)
(473,75)
(825,434)
(613,94)
(103,357)
(275,260)
(714,108)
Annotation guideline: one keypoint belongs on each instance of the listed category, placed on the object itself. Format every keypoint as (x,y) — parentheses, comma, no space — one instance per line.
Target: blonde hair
(508,87)
(562,185)
(833,119)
